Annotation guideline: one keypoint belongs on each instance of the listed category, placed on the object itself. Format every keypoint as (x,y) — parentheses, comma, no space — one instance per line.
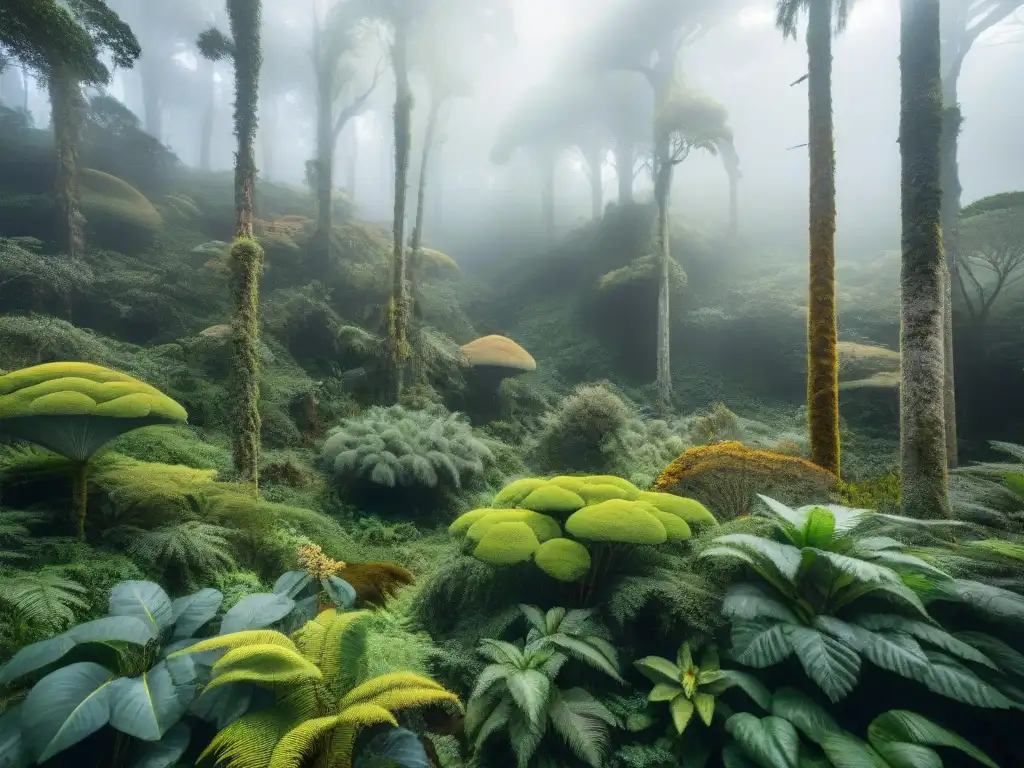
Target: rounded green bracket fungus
(75,408)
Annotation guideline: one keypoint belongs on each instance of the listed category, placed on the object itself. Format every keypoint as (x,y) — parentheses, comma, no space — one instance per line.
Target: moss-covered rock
(543,527)
(617,521)
(563,559)
(507,543)
(553,500)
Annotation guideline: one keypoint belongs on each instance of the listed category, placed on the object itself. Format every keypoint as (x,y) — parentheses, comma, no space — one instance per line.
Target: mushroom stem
(81,496)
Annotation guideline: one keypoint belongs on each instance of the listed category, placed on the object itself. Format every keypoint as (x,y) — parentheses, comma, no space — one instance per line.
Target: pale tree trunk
(923,476)
(416,267)
(625,156)
(662,189)
(822,328)
(731,162)
(67,112)
(399,309)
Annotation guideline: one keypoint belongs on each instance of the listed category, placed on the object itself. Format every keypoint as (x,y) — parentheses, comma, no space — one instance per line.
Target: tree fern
(191,548)
(44,598)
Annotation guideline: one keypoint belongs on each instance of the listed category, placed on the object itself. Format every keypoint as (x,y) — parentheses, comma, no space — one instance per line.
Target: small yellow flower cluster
(318,565)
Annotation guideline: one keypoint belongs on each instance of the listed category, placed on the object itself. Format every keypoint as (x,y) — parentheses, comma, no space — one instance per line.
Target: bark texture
(951,192)
(822,328)
(662,187)
(923,480)
(398,314)
(416,243)
(68,110)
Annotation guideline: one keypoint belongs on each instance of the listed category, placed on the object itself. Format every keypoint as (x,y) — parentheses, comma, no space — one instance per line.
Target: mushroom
(75,408)
(494,358)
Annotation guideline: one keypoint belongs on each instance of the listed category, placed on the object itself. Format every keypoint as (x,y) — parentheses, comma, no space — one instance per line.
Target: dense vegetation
(277,491)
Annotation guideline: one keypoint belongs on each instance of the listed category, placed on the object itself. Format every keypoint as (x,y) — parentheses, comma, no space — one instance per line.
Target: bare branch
(799,80)
(359,104)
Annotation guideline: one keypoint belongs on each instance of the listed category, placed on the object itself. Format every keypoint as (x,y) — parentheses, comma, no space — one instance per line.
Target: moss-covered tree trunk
(922,279)
(246,260)
(416,242)
(822,329)
(398,314)
(67,108)
(951,192)
(662,188)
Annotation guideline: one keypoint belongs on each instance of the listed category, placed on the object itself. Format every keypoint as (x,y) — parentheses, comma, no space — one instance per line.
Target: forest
(355,414)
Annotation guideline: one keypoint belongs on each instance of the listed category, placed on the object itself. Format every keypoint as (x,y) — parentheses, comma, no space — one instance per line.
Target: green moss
(553,500)
(618,482)
(569,482)
(563,559)
(594,493)
(507,544)
(543,527)
(690,510)
(463,522)
(616,521)
(675,527)
(515,492)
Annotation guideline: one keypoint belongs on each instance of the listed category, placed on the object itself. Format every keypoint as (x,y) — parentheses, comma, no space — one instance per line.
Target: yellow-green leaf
(682,710)
(664,692)
(705,704)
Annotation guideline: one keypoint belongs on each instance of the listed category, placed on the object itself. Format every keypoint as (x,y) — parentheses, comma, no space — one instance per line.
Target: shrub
(586,432)
(727,477)
(423,457)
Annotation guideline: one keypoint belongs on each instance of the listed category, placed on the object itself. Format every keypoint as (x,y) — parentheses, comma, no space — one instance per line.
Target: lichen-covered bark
(398,311)
(662,188)
(822,329)
(246,259)
(922,424)
(67,109)
(951,192)
(245,263)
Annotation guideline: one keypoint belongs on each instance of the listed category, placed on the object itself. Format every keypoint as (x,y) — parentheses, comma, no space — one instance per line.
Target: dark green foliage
(586,433)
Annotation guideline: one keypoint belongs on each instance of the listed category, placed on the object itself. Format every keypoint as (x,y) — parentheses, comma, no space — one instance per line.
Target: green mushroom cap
(619,482)
(595,493)
(675,527)
(569,482)
(75,408)
(543,527)
(513,493)
(563,559)
(463,522)
(507,544)
(617,521)
(690,510)
(552,500)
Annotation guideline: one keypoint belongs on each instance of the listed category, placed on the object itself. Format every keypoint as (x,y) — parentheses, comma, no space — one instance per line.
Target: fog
(743,62)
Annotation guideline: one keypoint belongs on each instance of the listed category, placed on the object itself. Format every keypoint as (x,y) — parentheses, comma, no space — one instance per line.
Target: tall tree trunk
(952,120)
(151,73)
(352,164)
(67,112)
(246,260)
(416,266)
(625,156)
(922,279)
(662,189)
(25,82)
(398,314)
(209,69)
(822,329)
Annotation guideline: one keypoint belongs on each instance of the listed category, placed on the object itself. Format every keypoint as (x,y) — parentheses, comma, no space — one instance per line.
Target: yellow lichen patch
(690,510)
(617,521)
(552,500)
(563,559)
(463,522)
(498,352)
(543,527)
(507,544)
(726,477)
(513,493)
(595,493)
(313,561)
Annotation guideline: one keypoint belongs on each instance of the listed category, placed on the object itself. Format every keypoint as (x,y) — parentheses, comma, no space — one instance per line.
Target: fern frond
(336,653)
(44,598)
(240,640)
(263,665)
(378,686)
(191,547)
(249,741)
(301,742)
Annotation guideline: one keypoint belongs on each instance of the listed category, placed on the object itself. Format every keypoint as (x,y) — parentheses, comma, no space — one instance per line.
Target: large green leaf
(750,601)
(782,558)
(191,612)
(948,677)
(530,690)
(342,593)
(583,723)
(844,750)
(771,742)
(798,708)
(31,658)
(144,600)
(1001,604)
(759,644)
(256,612)
(901,727)
(749,684)
(291,583)
(164,753)
(861,570)
(12,747)
(148,705)
(659,670)
(819,528)
(393,748)
(270,665)
(833,665)
(896,652)
(927,633)
(588,653)
(1007,658)
(224,704)
(534,617)
(64,707)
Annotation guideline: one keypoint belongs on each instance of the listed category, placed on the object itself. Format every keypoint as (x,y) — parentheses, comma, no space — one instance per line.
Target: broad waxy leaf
(31,658)
(749,684)
(256,612)
(65,707)
(530,690)
(164,753)
(758,644)
(831,664)
(13,753)
(682,710)
(799,709)
(394,747)
(819,528)
(224,704)
(899,726)
(769,741)
(947,677)
(342,593)
(143,600)
(291,583)
(844,750)
(659,670)
(1007,658)
(148,705)
(191,612)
